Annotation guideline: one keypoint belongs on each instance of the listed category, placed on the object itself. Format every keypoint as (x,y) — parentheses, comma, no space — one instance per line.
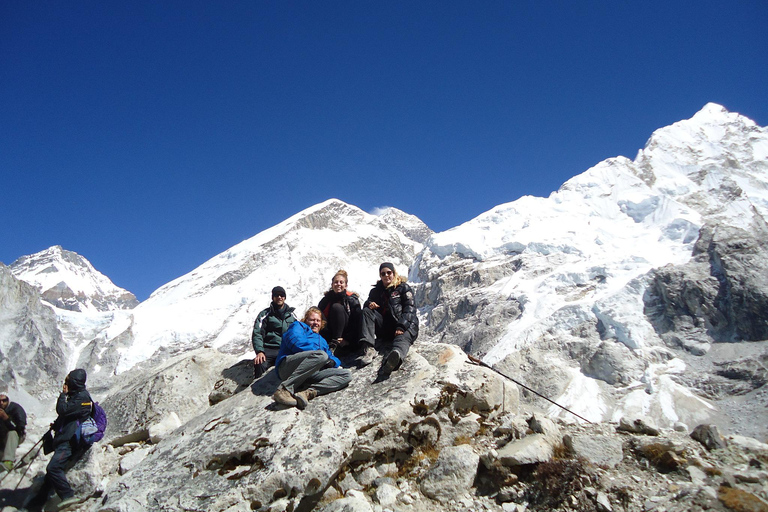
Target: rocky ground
(441,435)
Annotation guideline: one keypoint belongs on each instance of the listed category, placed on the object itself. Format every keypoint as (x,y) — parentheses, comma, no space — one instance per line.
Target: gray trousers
(374,323)
(307,370)
(11,443)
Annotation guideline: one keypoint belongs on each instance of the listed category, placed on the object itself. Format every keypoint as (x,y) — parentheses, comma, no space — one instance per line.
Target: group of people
(73,407)
(304,351)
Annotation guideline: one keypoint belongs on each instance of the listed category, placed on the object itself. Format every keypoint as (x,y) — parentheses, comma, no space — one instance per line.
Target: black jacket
(348,299)
(72,407)
(397,304)
(17,418)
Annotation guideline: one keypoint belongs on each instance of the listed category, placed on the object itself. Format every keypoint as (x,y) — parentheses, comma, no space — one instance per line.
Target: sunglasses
(4,400)
(385,273)
(279,295)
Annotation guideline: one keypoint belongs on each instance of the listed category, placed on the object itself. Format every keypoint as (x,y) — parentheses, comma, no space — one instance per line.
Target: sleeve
(257,336)
(75,407)
(408,316)
(371,297)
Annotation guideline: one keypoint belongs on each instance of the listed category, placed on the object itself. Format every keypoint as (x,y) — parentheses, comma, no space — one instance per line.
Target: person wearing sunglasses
(389,315)
(13,424)
(268,331)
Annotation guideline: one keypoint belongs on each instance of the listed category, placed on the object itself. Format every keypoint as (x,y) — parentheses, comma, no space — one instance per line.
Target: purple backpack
(92,429)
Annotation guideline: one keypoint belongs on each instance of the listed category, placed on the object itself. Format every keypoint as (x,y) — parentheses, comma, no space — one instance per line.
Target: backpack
(92,429)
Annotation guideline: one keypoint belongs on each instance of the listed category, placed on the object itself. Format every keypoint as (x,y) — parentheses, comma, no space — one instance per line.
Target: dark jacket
(397,305)
(348,299)
(269,327)
(17,418)
(73,407)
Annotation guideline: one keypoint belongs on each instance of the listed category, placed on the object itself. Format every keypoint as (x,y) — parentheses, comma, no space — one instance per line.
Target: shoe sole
(393,359)
(301,402)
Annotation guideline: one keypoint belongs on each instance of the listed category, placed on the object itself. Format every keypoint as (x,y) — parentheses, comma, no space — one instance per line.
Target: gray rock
(452,474)
(600,450)
(638,426)
(531,449)
(709,436)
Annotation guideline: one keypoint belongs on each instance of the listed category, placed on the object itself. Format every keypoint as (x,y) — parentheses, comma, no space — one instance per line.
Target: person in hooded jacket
(73,407)
(305,365)
(389,314)
(268,331)
(341,309)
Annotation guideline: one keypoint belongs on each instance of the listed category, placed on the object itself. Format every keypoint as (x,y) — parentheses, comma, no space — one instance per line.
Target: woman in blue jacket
(305,364)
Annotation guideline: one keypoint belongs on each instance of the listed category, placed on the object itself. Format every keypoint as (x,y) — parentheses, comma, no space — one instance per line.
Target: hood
(76,380)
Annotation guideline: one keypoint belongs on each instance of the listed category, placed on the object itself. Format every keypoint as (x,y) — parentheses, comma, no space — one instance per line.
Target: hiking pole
(482,363)
(21,460)
(29,464)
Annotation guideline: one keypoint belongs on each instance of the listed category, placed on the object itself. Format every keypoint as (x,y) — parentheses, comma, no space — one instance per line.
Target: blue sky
(151,136)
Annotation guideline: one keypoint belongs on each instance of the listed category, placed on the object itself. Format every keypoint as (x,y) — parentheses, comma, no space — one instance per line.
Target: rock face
(440,435)
(245,452)
(32,352)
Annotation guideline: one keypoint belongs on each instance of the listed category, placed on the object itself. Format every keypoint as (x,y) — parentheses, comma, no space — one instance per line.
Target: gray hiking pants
(374,323)
(307,370)
(11,443)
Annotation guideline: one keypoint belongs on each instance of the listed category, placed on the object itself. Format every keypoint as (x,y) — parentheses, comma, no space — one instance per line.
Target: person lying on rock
(341,309)
(389,314)
(305,364)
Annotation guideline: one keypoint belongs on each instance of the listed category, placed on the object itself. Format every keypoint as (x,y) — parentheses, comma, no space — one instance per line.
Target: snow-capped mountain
(216,303)
(559,288)
(69,281)
(609,296)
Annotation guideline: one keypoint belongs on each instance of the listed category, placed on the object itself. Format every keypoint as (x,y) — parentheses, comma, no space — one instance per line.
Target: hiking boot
(303,398)
(7,465)
(391,362)
(283,396)
(67,502)
(367,357)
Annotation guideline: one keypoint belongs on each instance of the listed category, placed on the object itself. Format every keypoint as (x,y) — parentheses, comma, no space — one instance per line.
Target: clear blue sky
(151,136)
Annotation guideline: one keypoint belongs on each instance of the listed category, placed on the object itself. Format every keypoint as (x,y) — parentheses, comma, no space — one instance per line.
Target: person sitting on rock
(305,364)
(13,423)
(268,331)
(341,309)
(389,314)
(73,407)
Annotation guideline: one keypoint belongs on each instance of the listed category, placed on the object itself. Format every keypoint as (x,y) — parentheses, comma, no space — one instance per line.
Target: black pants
(375,325)
(64,457)
(261,369)
(340,324)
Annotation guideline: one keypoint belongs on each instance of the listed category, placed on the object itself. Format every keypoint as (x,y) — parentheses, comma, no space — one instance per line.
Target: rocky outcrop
(32,353)
(721,295)
(441,434)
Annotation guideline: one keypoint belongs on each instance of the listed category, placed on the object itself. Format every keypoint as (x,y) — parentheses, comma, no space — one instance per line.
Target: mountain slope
(555,288)
(216,303)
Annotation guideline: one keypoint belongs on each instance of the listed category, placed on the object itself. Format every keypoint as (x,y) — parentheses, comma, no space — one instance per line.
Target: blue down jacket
(300,338)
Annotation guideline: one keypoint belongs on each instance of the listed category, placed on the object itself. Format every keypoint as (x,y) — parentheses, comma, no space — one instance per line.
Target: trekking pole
(21,460)
(482,363)
(29,464)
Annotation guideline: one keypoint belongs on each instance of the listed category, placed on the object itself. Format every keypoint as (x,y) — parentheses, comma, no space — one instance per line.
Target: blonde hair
(397,280)
(311,310)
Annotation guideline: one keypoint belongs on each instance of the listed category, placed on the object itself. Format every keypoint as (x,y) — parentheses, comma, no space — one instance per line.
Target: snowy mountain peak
(69,281)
